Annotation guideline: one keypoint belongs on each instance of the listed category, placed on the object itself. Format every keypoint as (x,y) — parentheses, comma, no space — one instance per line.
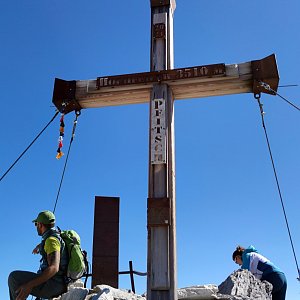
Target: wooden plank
(160,279)
(238,79)
(172,195)
(197,89)
(159,54)
(161,222)
(204,90)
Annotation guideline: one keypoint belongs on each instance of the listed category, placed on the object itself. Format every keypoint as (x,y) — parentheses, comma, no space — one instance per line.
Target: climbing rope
(56,113)
(257,97)
(77,114)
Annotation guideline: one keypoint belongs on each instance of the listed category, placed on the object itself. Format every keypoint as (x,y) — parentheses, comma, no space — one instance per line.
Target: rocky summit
(244,285)
(240,285)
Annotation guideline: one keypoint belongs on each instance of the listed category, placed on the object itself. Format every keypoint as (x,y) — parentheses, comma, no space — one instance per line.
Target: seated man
(50,280)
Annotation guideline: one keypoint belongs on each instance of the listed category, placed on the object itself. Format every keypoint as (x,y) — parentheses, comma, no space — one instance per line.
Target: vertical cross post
(191,82)
(161,217)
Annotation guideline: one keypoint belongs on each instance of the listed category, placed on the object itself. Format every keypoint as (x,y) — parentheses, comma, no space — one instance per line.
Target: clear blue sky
(226,192)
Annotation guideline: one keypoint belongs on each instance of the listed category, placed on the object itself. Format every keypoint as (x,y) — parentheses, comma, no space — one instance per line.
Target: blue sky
(225,187)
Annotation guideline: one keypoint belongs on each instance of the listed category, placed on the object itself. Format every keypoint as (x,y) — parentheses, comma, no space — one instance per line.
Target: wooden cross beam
(190,82)
(160,87)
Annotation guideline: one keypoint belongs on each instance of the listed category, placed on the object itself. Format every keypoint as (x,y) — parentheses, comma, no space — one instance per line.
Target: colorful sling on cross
(61,136)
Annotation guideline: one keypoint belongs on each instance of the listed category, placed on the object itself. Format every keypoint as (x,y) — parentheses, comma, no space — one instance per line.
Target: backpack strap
(63,259)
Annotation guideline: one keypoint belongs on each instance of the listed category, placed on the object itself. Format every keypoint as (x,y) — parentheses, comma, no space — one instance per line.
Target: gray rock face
(243,284)
(240,285)
(100,292)
(207,291)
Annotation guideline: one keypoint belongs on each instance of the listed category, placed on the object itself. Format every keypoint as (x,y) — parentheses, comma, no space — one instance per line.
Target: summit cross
(160,87)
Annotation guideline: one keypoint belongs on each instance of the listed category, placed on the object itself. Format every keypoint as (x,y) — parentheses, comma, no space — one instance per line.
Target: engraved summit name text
(153,77)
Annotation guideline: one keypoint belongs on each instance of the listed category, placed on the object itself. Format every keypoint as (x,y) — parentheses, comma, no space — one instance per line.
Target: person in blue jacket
(262,269)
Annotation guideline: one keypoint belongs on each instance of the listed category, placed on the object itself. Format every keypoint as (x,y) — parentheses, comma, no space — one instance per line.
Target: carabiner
(257,96)
(77,113)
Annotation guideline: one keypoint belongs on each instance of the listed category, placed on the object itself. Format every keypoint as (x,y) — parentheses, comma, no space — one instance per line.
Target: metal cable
(77,113)
(56,113)
(267,87)
(257,97)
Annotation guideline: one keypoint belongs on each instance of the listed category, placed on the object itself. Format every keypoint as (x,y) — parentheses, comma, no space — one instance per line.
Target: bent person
(50,280)
(262,269)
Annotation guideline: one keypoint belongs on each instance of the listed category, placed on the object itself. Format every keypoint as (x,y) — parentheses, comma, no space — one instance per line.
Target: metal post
(131,276)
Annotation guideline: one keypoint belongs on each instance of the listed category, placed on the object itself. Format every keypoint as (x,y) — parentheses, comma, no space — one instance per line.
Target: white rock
(109,293)
(198,292)
(240,285)
(74,294)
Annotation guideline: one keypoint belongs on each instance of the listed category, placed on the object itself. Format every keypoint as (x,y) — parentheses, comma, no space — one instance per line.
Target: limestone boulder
(240,285)
(243,284)
(207,291)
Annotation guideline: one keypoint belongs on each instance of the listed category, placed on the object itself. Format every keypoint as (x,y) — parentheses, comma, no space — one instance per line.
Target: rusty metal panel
(159,211)
(104,271)
(208,71)
(64,95)
(159,31)
(106,241)
(107,209)
(126,79)
(106,237)
(195,72)
(265,70)
(160,2)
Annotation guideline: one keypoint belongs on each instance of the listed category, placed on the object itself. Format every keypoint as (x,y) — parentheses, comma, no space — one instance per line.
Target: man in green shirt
(50,280)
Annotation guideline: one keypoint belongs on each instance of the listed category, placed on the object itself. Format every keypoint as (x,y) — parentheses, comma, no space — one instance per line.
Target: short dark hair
(49,226)
(238,252)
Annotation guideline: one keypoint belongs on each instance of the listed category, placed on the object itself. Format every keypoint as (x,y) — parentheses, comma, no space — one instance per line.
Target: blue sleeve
(246,262)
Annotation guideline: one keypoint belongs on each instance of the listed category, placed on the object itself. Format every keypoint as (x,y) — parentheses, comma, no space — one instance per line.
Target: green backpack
(77,265)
